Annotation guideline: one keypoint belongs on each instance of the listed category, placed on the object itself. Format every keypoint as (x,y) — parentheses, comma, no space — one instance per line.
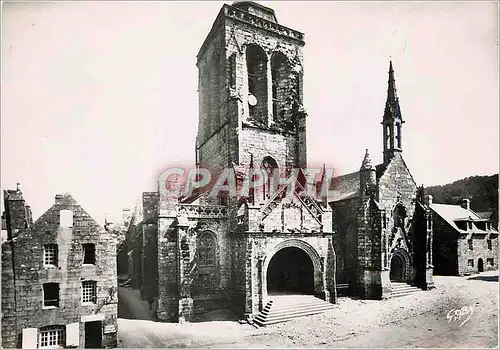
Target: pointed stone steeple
(367,175)
(392,120)
(367,162)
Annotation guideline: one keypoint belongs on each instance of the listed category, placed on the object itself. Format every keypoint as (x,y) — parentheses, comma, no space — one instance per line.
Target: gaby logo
(182,182)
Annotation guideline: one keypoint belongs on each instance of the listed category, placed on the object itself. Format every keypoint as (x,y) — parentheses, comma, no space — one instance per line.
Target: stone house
(382,219)
(464,242)
(58,278)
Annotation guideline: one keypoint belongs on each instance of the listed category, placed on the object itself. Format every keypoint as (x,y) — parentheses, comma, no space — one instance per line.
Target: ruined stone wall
(30,275)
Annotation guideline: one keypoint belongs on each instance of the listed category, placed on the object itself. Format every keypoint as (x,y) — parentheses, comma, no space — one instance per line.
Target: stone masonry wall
(396,182)
(445,254)
(149,285)
(479,251)
(345,239)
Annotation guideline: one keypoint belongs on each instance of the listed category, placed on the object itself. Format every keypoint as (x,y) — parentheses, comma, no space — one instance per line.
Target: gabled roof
(454,213)
(345,187)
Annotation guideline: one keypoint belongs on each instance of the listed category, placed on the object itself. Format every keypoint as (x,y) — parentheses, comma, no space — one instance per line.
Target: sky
(99,97)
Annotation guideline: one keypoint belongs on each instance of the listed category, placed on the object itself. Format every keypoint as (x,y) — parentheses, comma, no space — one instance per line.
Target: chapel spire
(392,120)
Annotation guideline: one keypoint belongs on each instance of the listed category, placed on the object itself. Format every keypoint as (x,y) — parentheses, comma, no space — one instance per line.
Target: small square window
(89,292)
(50,254)
(490,261)
(89,253)
(470,262)
(51,294)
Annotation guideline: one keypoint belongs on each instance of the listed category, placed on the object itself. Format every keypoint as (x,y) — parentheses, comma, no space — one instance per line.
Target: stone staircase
(287,307)
(400,289)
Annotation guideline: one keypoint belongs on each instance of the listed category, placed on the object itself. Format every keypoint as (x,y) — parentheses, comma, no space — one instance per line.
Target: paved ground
(418,320)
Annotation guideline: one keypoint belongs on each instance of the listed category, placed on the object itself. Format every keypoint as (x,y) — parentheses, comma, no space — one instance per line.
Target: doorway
(93,335)
(480,267)
(398,268)
(290,271)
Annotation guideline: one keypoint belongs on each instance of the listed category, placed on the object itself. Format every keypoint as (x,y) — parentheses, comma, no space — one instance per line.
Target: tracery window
(206,249)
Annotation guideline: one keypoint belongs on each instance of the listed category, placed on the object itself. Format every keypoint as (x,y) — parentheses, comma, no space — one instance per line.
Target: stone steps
(286,308)
(400,289)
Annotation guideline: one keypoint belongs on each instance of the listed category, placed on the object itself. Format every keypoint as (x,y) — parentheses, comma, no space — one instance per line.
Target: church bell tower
(250,92)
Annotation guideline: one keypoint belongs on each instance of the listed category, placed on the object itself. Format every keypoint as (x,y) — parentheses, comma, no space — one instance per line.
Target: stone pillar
(250,309)
(270,117)
(331,271)
(184,274)
(429,266)
(327,219)
(168,287)
(262,282)
(168,283)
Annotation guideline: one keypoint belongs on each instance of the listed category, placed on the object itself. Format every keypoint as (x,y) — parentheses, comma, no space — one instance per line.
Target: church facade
(200,252)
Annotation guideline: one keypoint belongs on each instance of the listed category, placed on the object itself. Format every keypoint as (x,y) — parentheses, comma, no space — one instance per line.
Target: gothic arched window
(268,166)
(206,249)
(257,82)
(280,72)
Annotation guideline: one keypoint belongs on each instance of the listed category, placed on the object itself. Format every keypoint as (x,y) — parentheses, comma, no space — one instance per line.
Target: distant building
(464,242)
(58,278)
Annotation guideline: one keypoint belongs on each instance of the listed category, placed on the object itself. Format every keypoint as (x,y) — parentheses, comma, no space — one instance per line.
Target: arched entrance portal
(399,266)
(290,271)
(480,267)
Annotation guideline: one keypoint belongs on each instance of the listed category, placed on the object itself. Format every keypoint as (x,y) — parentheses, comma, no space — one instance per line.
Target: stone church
(192,254)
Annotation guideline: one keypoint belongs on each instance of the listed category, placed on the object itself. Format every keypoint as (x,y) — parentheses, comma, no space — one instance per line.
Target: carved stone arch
(400,259)
(308,249)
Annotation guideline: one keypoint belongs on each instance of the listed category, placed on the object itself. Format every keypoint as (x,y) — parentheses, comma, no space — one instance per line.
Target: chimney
(29,215)
(465,204)
(59,198)
(428,200)
(15,212)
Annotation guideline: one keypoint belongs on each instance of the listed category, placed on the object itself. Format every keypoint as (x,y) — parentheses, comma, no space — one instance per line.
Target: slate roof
(452,213)
(485,214)
(345,187)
